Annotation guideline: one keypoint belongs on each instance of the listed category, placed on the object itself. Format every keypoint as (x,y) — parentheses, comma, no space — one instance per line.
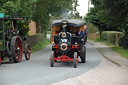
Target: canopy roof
(14,18)
(72,22)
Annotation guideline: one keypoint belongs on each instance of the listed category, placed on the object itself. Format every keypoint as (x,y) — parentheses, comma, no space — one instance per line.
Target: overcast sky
(83,7)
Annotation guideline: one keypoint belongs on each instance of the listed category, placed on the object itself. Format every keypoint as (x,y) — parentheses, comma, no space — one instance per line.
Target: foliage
(91,28)
(110,36)
(92,17)
(98,39)
(114,13)
(19,8)
(123,52)
(40,45)
(41,11)
(45,10)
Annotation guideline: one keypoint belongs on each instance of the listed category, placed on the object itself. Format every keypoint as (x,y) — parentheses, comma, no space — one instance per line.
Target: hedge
(110,36)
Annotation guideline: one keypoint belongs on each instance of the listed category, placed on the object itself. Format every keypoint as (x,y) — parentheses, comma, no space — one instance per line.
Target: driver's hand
(82,39)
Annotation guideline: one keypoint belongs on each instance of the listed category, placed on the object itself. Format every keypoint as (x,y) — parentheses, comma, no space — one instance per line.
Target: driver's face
(79,29)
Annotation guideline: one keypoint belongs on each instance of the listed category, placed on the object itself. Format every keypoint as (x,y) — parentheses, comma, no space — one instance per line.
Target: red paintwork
(56,32)
(65,57)
(18,43)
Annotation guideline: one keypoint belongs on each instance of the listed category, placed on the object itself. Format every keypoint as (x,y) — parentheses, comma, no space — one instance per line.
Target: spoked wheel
(75,59)
(27,52)
(83,55)
(16,49)
(52,61)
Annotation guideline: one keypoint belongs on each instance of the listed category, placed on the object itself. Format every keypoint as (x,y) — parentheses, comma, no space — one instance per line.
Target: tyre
(27,52)
(16,49)
(75,59)
(52,61)
(55,55)
(83,55)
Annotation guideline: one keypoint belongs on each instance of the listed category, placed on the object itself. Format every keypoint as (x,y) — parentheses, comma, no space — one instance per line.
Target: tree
(114,13)
(19,8)
(54,8)
(92,17)
(40,11)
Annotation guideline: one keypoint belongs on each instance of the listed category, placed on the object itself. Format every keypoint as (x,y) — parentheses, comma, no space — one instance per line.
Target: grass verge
(123,52)
(48,32)
(40,45)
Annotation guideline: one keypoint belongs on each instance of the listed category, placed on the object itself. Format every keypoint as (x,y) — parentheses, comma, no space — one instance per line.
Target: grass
(123,52)
(90,40)
(40,45)
(48,32)
(101,51)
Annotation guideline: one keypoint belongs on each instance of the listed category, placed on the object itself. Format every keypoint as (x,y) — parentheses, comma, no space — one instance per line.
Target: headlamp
(76,44)
(63,35)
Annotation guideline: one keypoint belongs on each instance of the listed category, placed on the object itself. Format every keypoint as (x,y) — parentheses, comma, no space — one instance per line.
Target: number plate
(64,40)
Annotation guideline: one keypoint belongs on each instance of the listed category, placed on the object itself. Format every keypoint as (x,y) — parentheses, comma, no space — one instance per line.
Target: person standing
(86,33)
(81,35)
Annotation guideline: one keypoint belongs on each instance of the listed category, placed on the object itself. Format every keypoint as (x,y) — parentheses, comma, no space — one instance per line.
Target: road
(37,70)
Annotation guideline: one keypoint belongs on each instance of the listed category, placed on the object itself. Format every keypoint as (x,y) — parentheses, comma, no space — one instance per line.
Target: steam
(65,14)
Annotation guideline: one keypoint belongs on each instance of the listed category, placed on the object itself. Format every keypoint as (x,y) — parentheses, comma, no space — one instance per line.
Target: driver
(81,35)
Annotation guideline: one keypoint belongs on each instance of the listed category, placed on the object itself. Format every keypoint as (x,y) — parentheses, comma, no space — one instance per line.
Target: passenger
(81,35)
(86,33)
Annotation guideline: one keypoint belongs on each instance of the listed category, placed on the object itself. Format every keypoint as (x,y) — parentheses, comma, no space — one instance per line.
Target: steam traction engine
(10,41)
(65,44)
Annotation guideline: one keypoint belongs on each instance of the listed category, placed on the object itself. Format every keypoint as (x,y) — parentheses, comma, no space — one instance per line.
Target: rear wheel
(75,59)
(27,52)
(52,61)
(16,49)
(83,55)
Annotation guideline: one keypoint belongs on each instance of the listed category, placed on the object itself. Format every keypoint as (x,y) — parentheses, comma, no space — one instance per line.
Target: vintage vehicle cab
(65,43)
(10,40)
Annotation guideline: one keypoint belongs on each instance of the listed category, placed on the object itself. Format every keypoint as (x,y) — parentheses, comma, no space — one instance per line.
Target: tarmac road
(37,70)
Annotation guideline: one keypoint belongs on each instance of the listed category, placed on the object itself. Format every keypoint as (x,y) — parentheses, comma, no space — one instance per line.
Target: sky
(83,7)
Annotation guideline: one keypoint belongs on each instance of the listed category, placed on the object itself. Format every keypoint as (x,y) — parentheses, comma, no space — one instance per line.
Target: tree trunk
(39,27)
(100,29)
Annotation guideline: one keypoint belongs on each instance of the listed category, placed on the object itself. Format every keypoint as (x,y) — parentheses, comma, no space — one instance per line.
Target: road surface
(37,70)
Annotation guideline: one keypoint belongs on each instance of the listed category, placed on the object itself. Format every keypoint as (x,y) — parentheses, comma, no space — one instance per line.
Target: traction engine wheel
(52,61)
(75,59)
(27,52)
(83,55)
(16,49)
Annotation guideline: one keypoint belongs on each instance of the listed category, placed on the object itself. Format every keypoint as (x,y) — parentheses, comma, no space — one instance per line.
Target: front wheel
(52,61)
(75,59)
(27,52)
(16,49)
(83,55)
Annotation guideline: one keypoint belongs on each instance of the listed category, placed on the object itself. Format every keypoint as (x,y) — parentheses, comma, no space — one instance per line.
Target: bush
(97,39)
(110,36)
(91,28)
